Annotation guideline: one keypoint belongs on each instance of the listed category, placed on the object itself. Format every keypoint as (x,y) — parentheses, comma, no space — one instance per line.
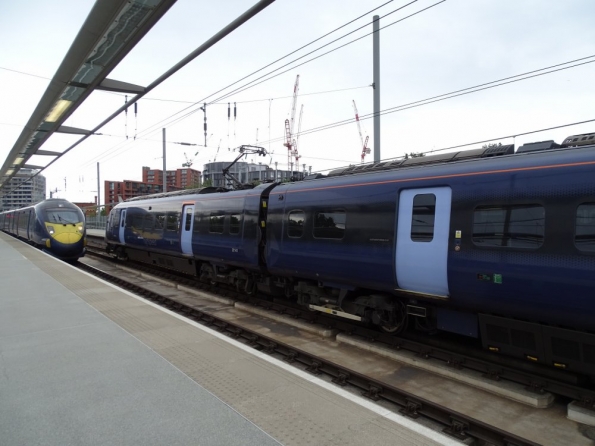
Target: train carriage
(487,243)
(54,225)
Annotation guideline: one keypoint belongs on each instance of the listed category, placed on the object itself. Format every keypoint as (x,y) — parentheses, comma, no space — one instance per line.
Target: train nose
(67,238)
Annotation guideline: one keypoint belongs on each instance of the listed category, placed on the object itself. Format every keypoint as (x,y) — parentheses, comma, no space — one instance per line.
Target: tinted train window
(216,223)
(62,216)
(136,221)
(516,226)
(148,222)
(172,221)
(424,215)
(234,223)
(188,219)
(329,224)
(295,227)
(159,221)
(584,237)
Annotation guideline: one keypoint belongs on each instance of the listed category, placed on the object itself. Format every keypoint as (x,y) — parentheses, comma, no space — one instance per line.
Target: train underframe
(559,347)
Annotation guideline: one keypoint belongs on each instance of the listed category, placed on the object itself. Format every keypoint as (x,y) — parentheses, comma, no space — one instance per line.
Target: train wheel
(398,321)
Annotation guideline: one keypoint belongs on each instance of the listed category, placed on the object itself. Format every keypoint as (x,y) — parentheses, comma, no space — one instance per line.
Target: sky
(452,46)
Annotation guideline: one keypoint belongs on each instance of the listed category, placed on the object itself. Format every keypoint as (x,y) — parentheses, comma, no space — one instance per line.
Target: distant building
(181,178)
(245,173)
(152,183)
(116,191)
(27,193)
(89,209)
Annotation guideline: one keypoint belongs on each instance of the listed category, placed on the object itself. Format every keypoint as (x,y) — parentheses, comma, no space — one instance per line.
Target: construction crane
(294,150)
(365,148)
(289,125)
(189,161)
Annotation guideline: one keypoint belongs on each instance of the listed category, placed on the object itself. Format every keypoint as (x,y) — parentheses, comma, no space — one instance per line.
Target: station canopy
(109,33)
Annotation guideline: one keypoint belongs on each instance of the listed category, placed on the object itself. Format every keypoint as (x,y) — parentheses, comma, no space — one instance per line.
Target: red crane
(365,148)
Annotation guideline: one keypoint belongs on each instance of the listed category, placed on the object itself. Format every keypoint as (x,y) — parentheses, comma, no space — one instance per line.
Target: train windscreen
(64,216)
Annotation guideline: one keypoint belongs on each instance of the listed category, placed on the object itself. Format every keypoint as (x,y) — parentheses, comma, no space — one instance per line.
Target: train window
(64,216)
(216,223)
(172,221)
(159,221)
(136,221)
(148,222)
(188,219)
(295,227)
(584,237)
(424,215)
(515,226)
(329,224)
(234,223)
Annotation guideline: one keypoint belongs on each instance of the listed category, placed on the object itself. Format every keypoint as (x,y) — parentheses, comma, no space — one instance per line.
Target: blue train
(55,225)
(489,243)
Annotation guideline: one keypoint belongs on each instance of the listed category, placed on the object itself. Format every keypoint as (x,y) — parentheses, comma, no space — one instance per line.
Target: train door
(122,226)
(31,225)
(422,240)
(186,228)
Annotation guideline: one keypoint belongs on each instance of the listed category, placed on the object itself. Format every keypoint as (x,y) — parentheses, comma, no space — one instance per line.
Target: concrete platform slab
(503,388)
(581,414)
(115,372)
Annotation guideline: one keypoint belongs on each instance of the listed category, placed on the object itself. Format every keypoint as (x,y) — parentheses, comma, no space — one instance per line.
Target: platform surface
(83,363)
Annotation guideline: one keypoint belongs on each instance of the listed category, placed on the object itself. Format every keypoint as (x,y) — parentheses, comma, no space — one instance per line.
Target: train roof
(572,142)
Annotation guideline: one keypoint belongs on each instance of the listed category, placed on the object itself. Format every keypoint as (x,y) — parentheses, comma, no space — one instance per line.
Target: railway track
(536,378)
(458,425)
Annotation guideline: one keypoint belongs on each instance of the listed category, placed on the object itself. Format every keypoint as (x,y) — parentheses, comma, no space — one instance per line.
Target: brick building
(152,183)
(180,178)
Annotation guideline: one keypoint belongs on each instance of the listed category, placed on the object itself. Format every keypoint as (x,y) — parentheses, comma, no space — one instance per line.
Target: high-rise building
(25,193)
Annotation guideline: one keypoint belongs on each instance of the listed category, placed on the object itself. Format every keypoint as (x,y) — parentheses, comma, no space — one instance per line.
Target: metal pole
(164,165)
(376,63)
(98,194)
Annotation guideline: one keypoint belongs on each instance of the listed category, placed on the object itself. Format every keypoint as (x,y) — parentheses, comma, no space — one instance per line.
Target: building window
(295,227)
(584,237)
(515,226)
(329,224)
(423,217)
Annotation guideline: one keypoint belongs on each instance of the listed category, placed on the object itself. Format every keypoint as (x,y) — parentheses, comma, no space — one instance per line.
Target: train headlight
(51,230)
(80,227)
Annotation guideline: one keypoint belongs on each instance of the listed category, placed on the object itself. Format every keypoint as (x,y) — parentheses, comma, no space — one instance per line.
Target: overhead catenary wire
(455,93)
(476,88)
(458,146)
(155,127)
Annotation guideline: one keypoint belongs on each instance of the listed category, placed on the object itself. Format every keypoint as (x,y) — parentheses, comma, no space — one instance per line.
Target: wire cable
(247,85)
(154,127)
(452,94)
(458,146)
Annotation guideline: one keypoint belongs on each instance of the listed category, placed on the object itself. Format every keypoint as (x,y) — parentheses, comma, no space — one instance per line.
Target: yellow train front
(55,225)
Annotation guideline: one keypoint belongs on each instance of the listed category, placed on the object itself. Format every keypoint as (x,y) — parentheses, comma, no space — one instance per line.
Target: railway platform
(83,362)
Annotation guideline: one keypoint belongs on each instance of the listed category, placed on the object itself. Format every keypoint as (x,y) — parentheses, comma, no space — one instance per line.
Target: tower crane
(294,151)
(189,161)
(289,124)
(365,148)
